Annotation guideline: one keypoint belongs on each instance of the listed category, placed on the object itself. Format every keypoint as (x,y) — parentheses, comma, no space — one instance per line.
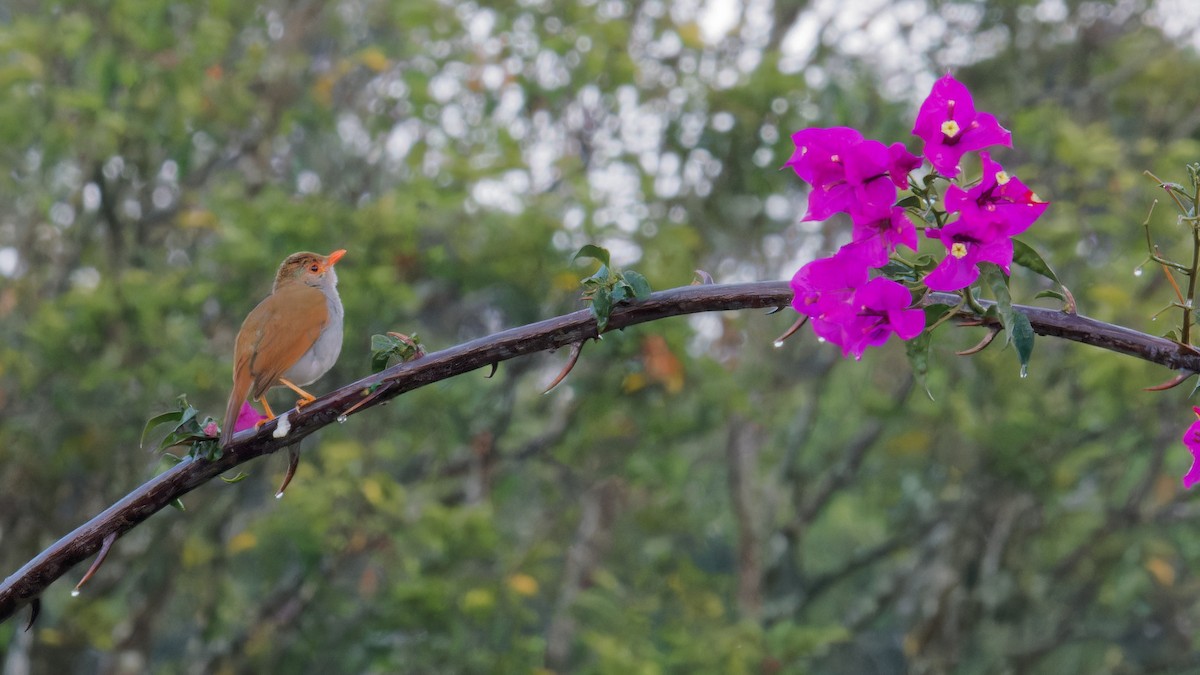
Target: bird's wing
(292,319)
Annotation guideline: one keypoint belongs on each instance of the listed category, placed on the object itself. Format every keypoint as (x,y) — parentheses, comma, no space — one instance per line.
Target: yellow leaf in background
(242,541)
(566,281)
(690,34)
(912,443)
(198,219)
(633,382)
(1109,295)
(478,599)
(322,89)
(523,584)
(374,58)
(373,491)
(1162,571)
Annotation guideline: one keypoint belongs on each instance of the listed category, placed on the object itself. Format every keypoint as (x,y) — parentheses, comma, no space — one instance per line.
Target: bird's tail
(241,387)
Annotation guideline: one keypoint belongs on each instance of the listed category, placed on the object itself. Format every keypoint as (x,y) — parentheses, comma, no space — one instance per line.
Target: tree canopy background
(690,499)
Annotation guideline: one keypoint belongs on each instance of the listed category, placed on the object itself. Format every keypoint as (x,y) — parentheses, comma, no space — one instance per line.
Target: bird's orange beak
(334,257)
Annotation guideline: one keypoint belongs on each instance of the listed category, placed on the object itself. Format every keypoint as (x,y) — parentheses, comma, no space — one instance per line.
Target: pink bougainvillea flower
(211,429)
(847,172)
(247,417)
(825,284)
(999,198)
(875,238)
(818,151)
(877,310)
(900,163)
(968,243)
(1191,438)
(950,126)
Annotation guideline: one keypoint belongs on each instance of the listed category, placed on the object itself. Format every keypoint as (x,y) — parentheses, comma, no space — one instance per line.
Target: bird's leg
(267,409)
(305,397)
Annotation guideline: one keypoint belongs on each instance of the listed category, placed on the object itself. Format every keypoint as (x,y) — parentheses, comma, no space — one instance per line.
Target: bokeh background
(691,500)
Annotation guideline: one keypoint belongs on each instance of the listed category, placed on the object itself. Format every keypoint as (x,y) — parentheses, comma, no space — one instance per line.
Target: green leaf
(898,271)
(910,202)
(638,283)
(925,263)
(621,292)
(386,347)
(601,308)
(602,277)
(1051,294)
(158,420)
(1025,256)
(934,312)
(917,350)
(594,252)
(998,282)
(1022,338)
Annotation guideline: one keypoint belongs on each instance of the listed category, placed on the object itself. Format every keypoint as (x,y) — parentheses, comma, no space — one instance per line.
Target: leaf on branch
(199,435)
(638,283)
(998,282)
(1022,338)
(602,304)
(609,286)
(594,252)
(1025,256)
(394,346)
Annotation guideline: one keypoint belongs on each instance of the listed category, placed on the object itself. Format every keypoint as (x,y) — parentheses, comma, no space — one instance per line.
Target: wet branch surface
(27,584)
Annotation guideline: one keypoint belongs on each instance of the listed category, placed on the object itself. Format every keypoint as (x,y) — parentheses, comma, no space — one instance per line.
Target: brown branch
(28,583)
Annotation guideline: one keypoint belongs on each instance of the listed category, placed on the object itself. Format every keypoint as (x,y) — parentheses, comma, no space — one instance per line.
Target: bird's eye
(315,268)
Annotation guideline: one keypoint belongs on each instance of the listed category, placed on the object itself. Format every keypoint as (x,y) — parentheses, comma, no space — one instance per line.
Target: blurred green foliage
(690,499)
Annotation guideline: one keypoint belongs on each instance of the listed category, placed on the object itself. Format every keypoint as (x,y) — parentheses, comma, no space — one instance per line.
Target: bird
(292,338)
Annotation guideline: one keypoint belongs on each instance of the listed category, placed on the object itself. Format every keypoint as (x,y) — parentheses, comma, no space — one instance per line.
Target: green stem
(969,298)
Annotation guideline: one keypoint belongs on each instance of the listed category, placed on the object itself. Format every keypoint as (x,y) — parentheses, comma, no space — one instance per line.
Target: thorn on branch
(576,350)
(993,331)
(35,608)
(100,558)
(495,365)
(293,462)
(1173,382)
(791,331)
(1070,308)
(702,278)
(368,396)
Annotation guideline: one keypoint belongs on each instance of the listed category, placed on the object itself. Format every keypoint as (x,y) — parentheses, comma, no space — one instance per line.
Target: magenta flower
(876,311)
(826,284)
(847,172)
(999,198)
(900,163)
(247,418)
(1191,438)
(875,238)
(950,126)
(968,243)
(211,429)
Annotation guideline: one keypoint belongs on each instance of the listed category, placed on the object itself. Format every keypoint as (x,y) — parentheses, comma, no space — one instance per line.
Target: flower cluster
(861,177)
(1191,439)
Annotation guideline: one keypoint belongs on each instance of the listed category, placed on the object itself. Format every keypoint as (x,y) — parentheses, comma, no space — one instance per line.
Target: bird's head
(309,268)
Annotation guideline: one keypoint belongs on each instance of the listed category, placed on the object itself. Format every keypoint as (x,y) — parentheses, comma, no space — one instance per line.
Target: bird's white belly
(323,354)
